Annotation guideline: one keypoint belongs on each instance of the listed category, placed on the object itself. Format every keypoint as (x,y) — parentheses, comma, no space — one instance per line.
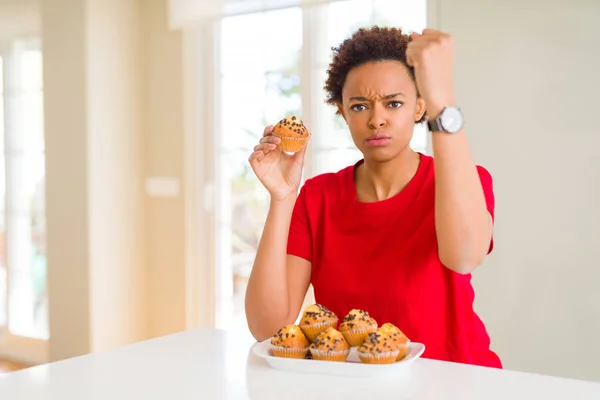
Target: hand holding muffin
(279,172)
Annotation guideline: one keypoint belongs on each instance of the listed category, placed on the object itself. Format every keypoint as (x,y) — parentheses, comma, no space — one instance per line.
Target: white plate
(352,367)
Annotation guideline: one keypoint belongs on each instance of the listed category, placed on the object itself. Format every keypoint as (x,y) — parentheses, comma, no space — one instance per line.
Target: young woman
(398,233)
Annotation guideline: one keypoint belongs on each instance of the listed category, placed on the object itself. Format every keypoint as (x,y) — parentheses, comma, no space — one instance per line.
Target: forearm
(267,295)
(463,224)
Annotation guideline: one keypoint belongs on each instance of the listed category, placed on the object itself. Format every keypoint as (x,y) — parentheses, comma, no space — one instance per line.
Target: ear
(340,108)
(420,109)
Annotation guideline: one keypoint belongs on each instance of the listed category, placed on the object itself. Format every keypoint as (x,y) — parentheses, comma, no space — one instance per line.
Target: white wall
(164,155)
(94,191)
(115,188)
(18,18)
(66,178)
(113,75)
(527,76)
(114,115)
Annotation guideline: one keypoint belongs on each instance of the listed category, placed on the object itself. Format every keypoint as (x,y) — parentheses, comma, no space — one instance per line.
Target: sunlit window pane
(260,84)
(409,15)
(342,19)
(24,159)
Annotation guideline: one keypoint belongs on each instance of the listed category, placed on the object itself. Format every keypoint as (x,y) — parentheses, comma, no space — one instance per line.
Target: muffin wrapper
(388,357)
(289,352)
(402,351)
(291,144)
(356,337)
(329,355)
(312,331)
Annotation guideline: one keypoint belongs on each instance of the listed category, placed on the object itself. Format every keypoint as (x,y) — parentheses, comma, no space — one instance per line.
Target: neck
(377,181)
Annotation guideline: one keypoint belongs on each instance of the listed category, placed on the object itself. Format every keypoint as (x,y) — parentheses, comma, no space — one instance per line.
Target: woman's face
(380,106)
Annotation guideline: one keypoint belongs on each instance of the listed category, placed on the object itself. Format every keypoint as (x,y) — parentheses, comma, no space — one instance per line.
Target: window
(272,64)
(23,289)
(251,97)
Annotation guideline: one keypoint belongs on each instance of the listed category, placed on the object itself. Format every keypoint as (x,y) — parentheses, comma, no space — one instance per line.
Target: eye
(395,104)
(358,107)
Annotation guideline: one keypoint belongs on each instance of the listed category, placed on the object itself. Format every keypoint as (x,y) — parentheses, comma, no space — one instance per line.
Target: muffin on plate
(330,345)
(315,319)
(356,325)
(290,342)
(378,348)
(292,132)
(398,337)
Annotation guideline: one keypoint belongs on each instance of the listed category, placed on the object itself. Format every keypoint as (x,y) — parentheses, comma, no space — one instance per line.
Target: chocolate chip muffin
(292,132)
(289,342)
(397,336)
(315,319)
(378,348)
(330,345)
(356,325)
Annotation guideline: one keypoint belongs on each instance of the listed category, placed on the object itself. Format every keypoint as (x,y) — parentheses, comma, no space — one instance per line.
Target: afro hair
(365,45)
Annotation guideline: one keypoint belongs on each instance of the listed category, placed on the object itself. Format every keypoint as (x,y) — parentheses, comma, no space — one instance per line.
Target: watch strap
(435,125)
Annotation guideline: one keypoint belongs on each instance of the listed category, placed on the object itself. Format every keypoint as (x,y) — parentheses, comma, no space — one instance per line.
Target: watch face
(451,119)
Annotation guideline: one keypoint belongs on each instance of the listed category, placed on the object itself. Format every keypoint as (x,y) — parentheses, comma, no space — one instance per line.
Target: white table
(212,364)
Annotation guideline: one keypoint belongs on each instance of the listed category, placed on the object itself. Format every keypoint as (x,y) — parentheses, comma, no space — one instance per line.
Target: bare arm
(278,282)
(462,221)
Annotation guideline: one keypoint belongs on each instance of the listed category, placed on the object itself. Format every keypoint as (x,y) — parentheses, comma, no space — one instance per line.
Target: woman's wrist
(287,201)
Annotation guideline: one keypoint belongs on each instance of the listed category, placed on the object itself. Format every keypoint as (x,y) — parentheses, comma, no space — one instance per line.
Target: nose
(377,118)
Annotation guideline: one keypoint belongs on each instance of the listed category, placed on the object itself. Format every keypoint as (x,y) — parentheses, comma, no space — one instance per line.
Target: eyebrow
(387,96)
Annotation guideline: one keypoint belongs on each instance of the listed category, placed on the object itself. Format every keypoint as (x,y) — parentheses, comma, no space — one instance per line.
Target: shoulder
(327,188)
(329,181)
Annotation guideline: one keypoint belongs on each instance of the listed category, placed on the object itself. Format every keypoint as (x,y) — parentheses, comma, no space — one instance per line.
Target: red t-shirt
(382,257)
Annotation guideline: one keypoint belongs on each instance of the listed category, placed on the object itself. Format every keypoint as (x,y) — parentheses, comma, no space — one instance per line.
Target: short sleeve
(300,238)
(488,190)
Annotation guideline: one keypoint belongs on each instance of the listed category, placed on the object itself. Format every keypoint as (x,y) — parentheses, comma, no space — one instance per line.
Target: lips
(378,140)
(378,136)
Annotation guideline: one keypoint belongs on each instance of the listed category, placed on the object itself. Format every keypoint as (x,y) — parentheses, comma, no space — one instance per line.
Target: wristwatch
(450,120)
